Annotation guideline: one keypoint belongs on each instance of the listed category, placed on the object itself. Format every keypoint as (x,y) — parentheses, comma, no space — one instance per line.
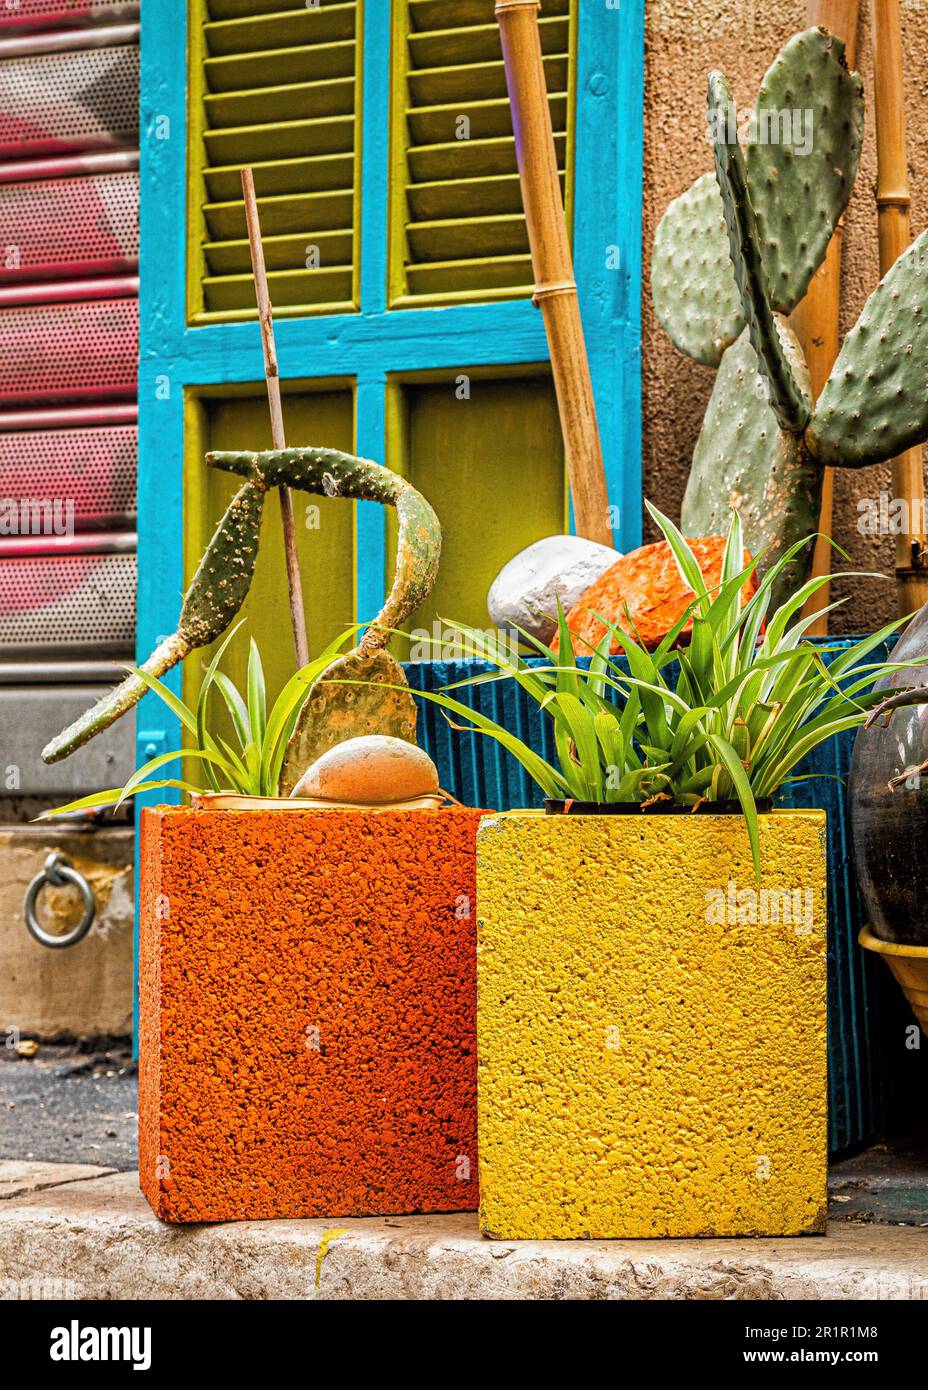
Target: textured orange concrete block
(307,1029)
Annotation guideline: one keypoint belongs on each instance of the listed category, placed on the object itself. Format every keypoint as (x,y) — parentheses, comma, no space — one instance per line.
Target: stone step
(96,1238)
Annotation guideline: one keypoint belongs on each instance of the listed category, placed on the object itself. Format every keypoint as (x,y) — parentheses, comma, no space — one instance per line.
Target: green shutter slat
(288,213)
(307,63)
(483,197)
(448,14)
(459,237)
(286,140)
(323,23)
(278,91)
(478,43)
(288,289)
(298,101)
(316,174)
(471,276)
(461,159)
(430,125)
(476,81)
(247,9)
(280,252)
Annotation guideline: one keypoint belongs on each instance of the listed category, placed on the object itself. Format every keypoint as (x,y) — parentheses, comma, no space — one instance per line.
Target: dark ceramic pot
(890,828)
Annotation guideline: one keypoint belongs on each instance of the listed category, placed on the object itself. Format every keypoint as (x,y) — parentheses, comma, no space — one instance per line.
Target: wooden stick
(272,376)
(555,289)
(816,318)
(892,198)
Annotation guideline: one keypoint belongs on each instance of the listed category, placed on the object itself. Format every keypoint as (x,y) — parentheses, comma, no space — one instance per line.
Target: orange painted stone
(307,1013)
(645,589)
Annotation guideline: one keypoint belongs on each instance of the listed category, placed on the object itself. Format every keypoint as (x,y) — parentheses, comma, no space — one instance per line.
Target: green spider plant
(747,703)
(251,765)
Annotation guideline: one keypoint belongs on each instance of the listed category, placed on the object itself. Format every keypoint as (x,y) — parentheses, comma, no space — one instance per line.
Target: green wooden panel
(493,469)
(455,201)
(326,553)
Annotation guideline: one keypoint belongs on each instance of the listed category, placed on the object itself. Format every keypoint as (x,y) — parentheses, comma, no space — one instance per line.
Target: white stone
(370,771)
(525,592)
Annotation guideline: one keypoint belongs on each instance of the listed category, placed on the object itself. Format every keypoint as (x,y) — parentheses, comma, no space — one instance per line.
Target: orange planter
(307,1028)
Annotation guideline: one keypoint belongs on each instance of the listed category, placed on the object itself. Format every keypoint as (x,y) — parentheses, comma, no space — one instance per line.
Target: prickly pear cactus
(875,402)
(790,404)
(358,695)
(692,282)
(224,577)
(763,440)
(745,461)
(217,592)
(799,187)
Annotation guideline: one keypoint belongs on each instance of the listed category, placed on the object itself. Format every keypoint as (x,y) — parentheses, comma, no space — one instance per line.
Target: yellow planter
(651,1026)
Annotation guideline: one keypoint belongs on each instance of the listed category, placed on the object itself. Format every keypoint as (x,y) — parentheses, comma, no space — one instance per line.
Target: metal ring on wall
(56,872)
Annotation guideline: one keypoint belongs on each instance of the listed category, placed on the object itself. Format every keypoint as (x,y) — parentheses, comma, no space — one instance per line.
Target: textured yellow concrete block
(651,1026)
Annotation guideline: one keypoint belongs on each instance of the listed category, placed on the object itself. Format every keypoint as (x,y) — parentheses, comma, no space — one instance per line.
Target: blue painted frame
(375,342)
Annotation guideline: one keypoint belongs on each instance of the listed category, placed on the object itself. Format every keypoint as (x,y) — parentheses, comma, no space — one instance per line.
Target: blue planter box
(876,1083)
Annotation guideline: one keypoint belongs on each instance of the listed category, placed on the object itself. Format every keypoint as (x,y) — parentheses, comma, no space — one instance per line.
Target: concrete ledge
(97,1239)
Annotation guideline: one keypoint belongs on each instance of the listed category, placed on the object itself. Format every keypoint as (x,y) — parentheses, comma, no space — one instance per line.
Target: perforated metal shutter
(68,330)
(55,228)
(460,225)
(16,15)
(67,605)
(82,99)
(87,474)
(280,92)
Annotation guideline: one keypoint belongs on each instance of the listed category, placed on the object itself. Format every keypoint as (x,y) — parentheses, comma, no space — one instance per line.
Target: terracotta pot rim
(235,801)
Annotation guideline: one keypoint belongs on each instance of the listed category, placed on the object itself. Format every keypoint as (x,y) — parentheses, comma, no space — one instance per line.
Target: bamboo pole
(552,265)
(816,319)
(892,198)
(272,376)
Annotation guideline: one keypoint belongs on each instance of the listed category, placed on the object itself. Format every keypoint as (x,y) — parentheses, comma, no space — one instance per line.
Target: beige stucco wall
(685,38)
(84,991)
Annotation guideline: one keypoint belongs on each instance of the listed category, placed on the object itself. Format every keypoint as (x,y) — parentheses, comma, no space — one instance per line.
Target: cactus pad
(216,594)
(743,460)
(692,282)
(799,187)
(808,95)
(224,577)
(789,403)
(875,402)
